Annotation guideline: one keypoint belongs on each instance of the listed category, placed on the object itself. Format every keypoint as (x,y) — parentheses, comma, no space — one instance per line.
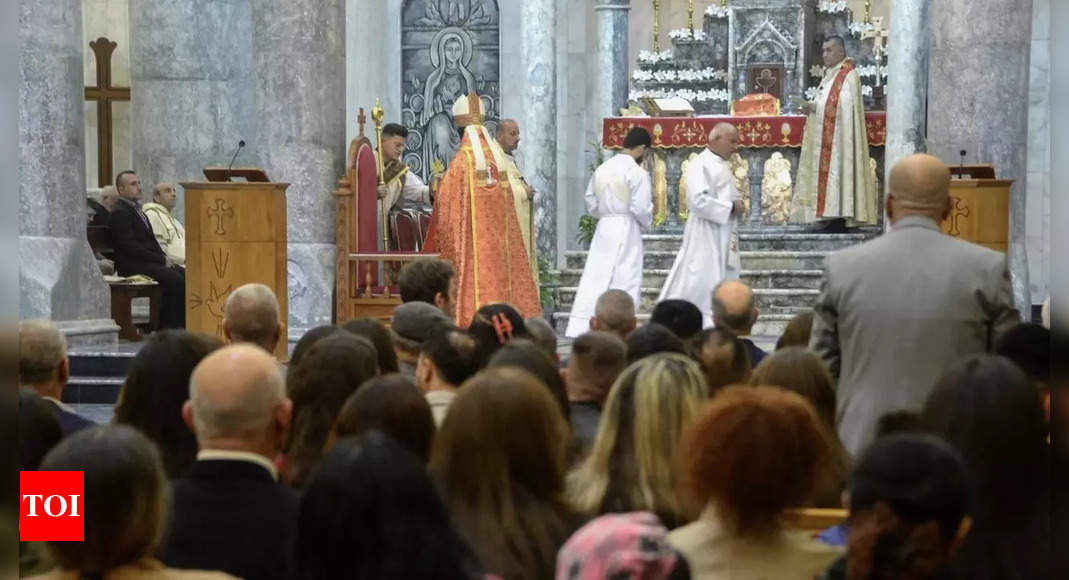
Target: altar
(765,168)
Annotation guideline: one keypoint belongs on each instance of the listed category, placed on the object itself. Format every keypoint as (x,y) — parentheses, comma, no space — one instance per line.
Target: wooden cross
(104,94)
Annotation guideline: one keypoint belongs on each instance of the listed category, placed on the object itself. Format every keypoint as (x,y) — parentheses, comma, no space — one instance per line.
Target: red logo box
(51,506)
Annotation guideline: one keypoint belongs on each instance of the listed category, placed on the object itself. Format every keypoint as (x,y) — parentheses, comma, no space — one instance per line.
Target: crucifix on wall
(104,94)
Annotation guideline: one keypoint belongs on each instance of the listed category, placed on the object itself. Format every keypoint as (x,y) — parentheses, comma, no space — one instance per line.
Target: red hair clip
(503,328)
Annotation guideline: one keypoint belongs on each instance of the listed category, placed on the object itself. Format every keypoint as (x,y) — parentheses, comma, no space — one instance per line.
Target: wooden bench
(123,293)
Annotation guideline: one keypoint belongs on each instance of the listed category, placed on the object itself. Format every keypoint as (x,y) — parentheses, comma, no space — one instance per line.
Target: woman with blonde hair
(499,460)
(630,464)
(802,371)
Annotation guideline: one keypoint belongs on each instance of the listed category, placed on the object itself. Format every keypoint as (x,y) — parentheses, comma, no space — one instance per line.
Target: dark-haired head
(1028,346)
(309,338)
(797,331)
(370,511)
(681,317)
(723,357)
(391,404)
(452,353)
(651,339)
(124,497)
(543,335)
(429,280)
(637,137)
(908,497)
(331,371)
(394,130)
(38,429)
(156,387)
(379,335)
(493,326)
(530,357)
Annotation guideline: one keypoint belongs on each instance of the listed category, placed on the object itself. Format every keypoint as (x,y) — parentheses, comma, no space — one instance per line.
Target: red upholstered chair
(360,289)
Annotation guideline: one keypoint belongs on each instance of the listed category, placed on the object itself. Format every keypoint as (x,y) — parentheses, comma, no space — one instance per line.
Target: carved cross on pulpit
(104,94)
(218,212)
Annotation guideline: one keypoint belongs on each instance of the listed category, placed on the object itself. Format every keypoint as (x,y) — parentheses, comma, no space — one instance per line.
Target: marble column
(540,119)
(978,98)
(300,93)
(58,276)
(907,85)
(192,83)
(612,80)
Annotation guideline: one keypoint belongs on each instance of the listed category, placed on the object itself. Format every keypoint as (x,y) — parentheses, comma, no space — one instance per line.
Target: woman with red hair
(752,454)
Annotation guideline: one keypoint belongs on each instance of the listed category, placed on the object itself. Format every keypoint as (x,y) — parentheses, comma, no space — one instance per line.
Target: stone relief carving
(449,48)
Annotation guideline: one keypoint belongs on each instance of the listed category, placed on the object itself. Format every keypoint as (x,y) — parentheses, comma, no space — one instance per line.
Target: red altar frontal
(754,132)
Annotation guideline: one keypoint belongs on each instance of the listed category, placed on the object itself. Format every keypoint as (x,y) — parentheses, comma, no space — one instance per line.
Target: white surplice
(620,196)
(708,254)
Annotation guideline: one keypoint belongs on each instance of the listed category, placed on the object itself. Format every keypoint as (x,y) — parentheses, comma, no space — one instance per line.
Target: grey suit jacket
(896,312)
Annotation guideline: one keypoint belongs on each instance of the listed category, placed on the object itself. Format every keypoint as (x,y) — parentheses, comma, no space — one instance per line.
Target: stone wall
(1037,225)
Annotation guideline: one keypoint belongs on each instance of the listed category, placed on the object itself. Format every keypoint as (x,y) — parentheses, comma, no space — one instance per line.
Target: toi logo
(52,506)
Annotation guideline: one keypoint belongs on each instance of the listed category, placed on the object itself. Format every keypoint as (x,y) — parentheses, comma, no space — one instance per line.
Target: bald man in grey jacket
(896,312)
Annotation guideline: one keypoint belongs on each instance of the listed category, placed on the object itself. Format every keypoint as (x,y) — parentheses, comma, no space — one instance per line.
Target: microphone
(229,168)
(961,170)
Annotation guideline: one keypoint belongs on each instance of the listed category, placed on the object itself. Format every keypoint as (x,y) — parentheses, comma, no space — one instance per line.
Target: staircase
(784,266)
(96,375)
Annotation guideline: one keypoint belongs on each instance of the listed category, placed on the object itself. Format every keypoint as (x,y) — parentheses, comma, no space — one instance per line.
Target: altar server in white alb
(709,253)
(834,179)
(620,196)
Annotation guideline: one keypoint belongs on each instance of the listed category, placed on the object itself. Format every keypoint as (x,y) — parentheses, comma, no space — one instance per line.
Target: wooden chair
(815,520)
(123,293)
(359,290)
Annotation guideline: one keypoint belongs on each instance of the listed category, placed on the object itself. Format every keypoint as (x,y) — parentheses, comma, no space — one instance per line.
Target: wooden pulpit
(980,207)
(235,235)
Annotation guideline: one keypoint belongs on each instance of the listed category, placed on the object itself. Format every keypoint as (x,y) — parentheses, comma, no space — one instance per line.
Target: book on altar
(669,107)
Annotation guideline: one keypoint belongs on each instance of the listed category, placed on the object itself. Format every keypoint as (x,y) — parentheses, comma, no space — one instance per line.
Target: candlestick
(656,26)
(690,17)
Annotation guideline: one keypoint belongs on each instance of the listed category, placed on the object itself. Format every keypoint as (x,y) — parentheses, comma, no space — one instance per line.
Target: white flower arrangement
(717,11)
(832,6)
(817,71)
(685,34)
(811,93)
(866,90)
(859,29)
(687,94)
(680,76)
(647,57)
(870,71)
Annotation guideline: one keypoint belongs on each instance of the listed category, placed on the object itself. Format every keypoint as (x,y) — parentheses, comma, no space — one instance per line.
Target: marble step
(751,260)
(767,299)
(786,278)
(93,390)
(777,241)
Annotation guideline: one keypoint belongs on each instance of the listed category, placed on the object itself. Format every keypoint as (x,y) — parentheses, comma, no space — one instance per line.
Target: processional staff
(377,115)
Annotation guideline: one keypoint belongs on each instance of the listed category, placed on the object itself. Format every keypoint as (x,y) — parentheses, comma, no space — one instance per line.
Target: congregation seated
(735,310)
(308,339)
(412,324)
(124,486)
(38,431)
(99,208)
(499,461)
(228,511)
(331,370)
(169,232)
(430,280)
(681,317)
(629,466)
(524,354)
(379,336)
(724,358)
(797,331)
(393,405)
(651,339)
(615,312)
(447,359)
(156,388)
(801,371)
(138,252)
(493,326)
(44,367)
(597,360)
(543,335)
(740,532)
(251,314)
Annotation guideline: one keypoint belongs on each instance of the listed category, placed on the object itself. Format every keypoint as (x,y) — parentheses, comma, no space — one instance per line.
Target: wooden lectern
(235,234)
(980,207)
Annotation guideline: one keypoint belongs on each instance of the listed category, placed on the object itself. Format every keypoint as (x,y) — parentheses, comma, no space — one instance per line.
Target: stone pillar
(300,95)
(612,80)
(540,119)
(907,85)
(58,277)
(978,96)
(191,89)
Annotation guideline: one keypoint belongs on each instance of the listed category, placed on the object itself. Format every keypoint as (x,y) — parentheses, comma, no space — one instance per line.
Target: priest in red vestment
(474,224)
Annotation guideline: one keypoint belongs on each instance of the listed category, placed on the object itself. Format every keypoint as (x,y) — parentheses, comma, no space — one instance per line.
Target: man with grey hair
(735,310)
(614,312)
(44,367)
(896,312)
(251,314)
(228,511)
(710,250)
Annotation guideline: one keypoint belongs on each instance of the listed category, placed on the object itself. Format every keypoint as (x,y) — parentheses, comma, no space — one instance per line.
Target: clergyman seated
(405,195)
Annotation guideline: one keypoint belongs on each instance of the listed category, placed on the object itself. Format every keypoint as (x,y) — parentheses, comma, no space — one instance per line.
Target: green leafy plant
(587,225)
(548,282)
